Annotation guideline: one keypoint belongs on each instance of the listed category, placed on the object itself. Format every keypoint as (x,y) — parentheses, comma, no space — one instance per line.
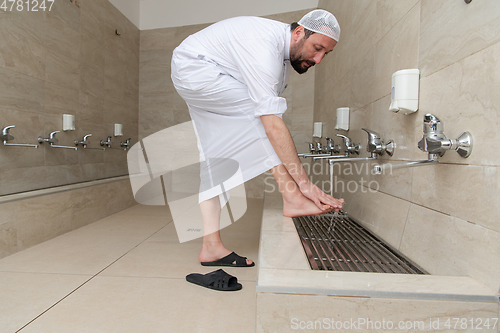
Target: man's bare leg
(294,202)
(212,248)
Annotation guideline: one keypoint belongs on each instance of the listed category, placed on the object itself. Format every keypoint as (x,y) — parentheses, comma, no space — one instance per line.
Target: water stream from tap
(335,215)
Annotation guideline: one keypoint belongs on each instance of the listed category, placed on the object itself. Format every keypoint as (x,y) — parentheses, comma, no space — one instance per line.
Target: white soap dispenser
(342,121)
(404,92)
(68,122)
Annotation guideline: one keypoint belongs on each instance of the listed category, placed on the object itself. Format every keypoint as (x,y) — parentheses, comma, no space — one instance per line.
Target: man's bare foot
(298,205)
(215,253)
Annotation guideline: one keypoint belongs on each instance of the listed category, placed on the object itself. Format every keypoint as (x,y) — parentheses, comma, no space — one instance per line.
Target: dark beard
(297,65)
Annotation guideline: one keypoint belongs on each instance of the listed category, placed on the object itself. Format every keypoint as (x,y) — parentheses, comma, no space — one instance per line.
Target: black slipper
(217,280)
(228,261)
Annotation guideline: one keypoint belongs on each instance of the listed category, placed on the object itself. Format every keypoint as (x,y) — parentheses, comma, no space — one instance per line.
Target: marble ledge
(283,269)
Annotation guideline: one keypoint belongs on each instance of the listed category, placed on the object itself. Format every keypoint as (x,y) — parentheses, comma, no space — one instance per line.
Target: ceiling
(155,14)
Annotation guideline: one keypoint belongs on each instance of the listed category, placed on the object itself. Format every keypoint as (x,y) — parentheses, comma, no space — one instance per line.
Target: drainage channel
(338,243)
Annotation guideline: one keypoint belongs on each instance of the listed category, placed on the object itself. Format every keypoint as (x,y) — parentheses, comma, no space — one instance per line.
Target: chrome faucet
(435,144)
(85,143)
(319,147)
(318,150)
(351,148)
(107,142)
(331,147)
(52,141)
(6,137)
(312,150)
(125,144)
(377,146)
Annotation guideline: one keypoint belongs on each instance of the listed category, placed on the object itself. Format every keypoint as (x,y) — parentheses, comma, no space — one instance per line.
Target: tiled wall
(161,106)
(36,217)
(66,60)
(444,217)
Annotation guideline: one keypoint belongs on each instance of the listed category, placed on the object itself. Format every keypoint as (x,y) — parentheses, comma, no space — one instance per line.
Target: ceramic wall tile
(61,69)
(61,100)
(445,245)
(155,70)
(29,24)
(21,54)
(28,222)
(63,30)
(389,227)
(398,49)
(445,39)
(390,12)
(473,198)
(21,92)
(465,97)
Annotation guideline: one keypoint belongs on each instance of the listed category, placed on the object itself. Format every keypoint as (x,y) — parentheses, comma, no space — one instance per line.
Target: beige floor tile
(163,256)
(115,304)
(91,248)
(25,296)
(144,210)
(72,253)
(126,225)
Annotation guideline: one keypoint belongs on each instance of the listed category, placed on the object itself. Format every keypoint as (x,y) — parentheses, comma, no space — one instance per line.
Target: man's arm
(283,145)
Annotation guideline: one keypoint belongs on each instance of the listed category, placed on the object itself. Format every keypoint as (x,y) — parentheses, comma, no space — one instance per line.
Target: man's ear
(297,33)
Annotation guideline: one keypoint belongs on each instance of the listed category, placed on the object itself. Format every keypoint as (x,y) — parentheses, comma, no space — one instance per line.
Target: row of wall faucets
(317,150)
(434,142)
(375,147)
(52,140)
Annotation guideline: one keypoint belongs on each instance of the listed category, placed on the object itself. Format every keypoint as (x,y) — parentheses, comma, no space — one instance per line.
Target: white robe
(230,74)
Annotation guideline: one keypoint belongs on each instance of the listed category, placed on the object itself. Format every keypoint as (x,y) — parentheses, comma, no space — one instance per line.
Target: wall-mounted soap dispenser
(118,130)
(342,122)
(318,130)
(68,122)
(404,92)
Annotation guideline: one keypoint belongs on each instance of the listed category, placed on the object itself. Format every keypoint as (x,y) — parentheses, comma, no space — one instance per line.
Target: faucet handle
(331,147)
(86,136)
(312,149)
(372,135)
(319,147)
(107,142)
(346,139)
(5,133)
(125,144)
(53,134)
(375,144)
(52,139)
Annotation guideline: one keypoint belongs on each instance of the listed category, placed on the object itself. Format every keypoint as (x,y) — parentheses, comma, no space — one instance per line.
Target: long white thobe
(230,74)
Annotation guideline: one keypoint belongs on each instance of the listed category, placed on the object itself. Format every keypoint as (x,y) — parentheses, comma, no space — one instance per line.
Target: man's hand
(320,198)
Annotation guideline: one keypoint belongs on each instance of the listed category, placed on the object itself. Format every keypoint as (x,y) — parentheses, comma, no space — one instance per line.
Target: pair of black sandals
(219,279)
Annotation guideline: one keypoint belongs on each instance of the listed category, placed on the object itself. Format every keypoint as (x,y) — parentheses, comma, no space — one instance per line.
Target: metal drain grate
(338,243)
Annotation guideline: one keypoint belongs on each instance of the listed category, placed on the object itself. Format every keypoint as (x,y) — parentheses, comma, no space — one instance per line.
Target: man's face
(305,53)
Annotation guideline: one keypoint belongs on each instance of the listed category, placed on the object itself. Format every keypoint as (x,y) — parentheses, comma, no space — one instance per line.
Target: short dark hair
(307,32)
